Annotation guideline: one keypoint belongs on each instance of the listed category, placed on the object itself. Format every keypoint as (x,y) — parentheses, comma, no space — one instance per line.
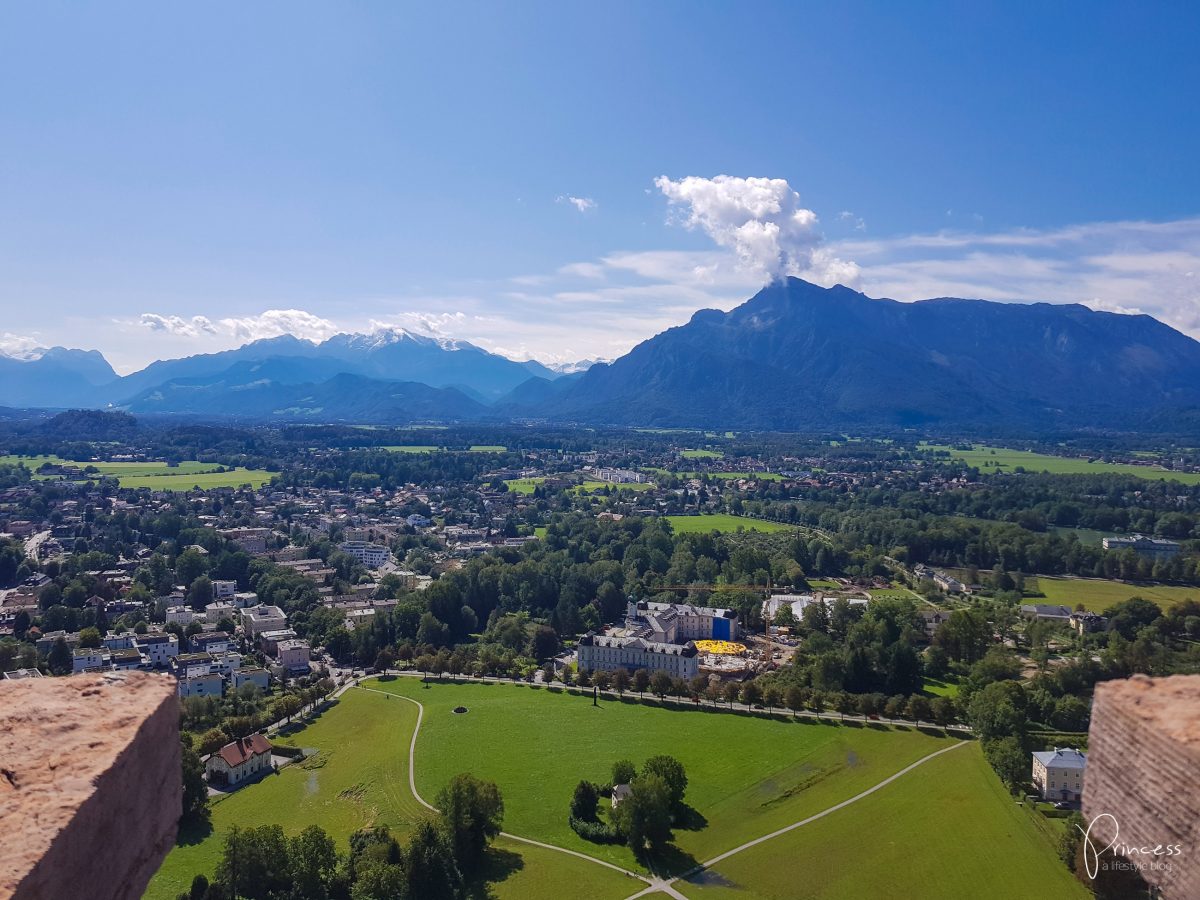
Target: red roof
(244,749)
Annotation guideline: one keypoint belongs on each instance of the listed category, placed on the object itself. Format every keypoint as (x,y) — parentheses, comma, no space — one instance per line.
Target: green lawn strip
(991,459)
(701,454)
(941,688)
(1098,595)
(722,522)
(748,775)
(487,448)
(410,448)
(588,486)
(122,469)
(359,777)
(948,829)
(232,478)
(520,871)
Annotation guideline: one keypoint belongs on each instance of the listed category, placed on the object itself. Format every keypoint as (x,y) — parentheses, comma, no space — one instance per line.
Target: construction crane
(714,587)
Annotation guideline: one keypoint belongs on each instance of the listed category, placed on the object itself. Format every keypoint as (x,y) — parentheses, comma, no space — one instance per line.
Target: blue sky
(178,178)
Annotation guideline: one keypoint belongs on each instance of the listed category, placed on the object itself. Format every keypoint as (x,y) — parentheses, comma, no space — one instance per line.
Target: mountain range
(793,356)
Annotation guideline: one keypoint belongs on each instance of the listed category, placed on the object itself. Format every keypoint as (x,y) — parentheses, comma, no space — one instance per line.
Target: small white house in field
(239,760)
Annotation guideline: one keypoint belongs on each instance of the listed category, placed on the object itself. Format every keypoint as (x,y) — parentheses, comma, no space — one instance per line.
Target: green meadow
(723,523)
(1097,594)
(158,476)
(992,459)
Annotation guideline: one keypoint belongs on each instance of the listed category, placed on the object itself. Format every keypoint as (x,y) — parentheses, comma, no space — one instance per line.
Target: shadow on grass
(690,819)
(498,866)
(668,861)
(193,830)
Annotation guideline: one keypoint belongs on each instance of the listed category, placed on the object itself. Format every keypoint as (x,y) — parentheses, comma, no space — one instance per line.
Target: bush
(597,832)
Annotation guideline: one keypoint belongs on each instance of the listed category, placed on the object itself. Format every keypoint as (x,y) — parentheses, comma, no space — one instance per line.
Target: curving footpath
(654,883)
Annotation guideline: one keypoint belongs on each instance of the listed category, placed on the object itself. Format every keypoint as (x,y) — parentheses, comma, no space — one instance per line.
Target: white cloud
(851,219)
(762,222)
(19,346)
(268,324)
(583,204)
(433,324)
(177,325)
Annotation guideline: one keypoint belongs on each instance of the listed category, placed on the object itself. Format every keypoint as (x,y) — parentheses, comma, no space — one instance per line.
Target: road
(34,542)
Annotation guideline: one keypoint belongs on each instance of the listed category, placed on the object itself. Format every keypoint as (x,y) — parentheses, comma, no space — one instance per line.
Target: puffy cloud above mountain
(268,324)
(762,222)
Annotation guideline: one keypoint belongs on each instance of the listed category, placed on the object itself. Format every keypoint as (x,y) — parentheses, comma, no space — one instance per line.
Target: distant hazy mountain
(798,355)
(575,368)
(390,355)
(344,397)
(54,377)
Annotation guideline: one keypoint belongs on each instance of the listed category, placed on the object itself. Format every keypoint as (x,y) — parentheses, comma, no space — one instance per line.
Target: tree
(660,684)
(795,698)
(943,710)
(314,863)
(89,637)
(919,708)
(998,711)
(771,697)
(430,864)
(671,771)
(254,863)
(200,593)
(602,680)
(620,681)
(195,788)
(544,643)
(378,880)
(473,811)
(644,817)
(641,681)
(585,801)
(623,772)
(61,660)
(751,693)
(1009,760)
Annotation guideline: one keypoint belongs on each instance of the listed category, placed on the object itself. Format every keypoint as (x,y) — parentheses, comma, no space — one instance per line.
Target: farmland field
(487,448)
(722,522)
(1097,594)
(190,467)
(588,486)
(411,448)
(991,459)
(701,454)
(207,481)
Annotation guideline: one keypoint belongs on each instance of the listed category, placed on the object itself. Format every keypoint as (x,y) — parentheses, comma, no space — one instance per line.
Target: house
(1058,773)
(620,792)
(1155,548)
(17,674)
(180,615)
(223,590)
(269,641)
(685,622)
(370,555)
(125,659)
(207,685)
(212,642)
(158,649)
(934,619)
(257,619)
(1043,612)
(294,655)
(253,676)
(1087,622)
(239,760)
(87,659)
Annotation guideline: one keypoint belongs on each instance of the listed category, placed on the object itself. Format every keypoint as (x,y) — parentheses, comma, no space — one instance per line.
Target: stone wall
(90,784)
(1143,771)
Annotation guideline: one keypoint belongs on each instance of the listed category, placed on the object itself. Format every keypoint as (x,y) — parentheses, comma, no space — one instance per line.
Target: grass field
(747,775)
(1098,594)
(947,830)
(487,448)
(701,454)
(588,486)
(991,459)
(523,485)
(940,688)
(156,475)
(411,448)
(358,777)
(722,522)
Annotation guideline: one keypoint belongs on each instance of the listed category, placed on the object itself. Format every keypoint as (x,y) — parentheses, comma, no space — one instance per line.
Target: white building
(1155,548)
(1058,773)
(257,619)
(608,652)
(254,676)
(223,590)
(87,659)
(213,642)
(158,649)
(180,615)
(209,685)
(370,555)
(681,622)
